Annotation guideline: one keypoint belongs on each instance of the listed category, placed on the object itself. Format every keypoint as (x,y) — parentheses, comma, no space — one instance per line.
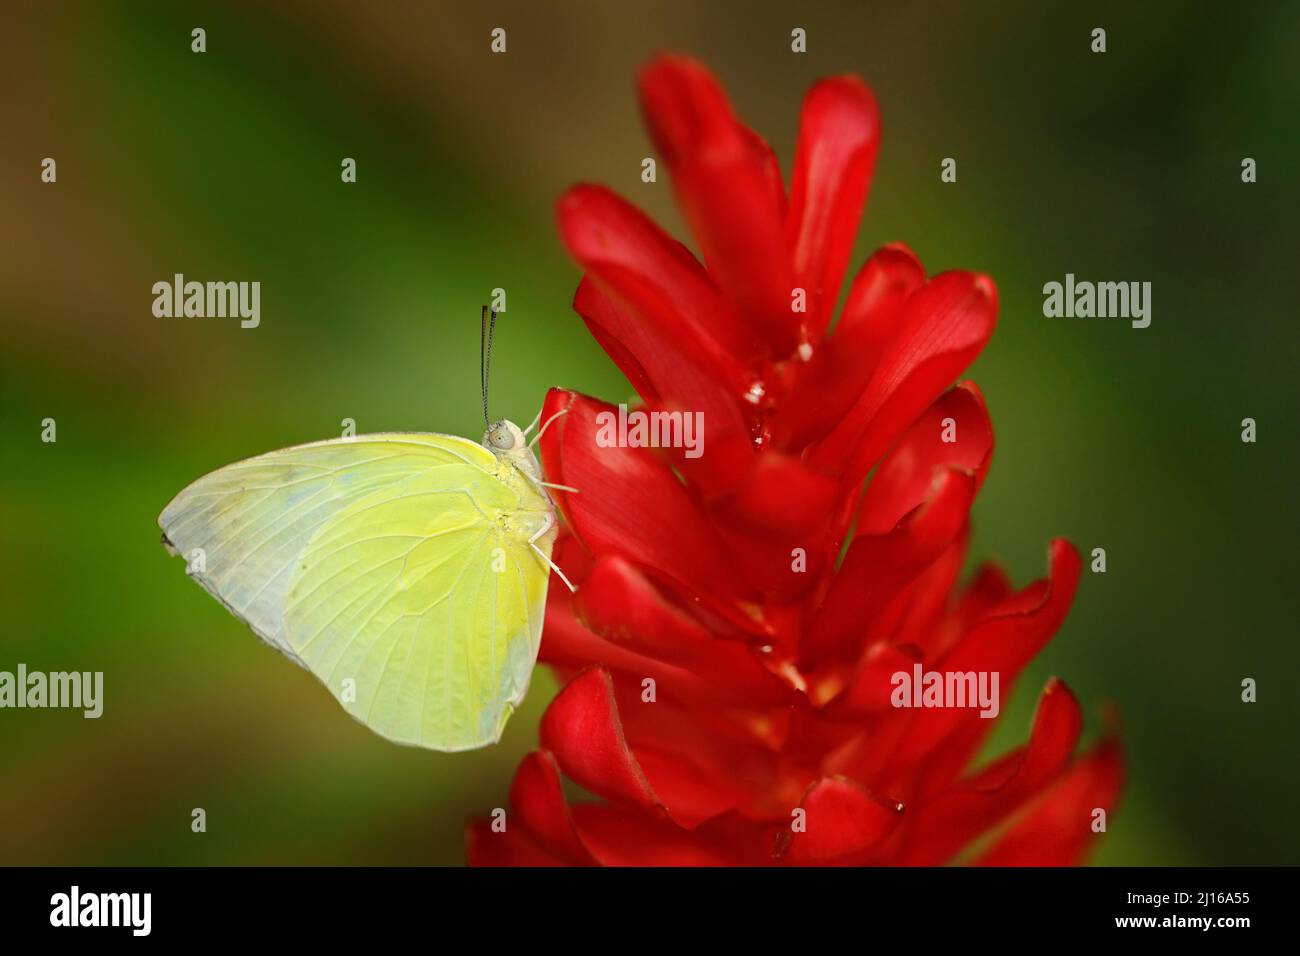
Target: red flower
(729,678)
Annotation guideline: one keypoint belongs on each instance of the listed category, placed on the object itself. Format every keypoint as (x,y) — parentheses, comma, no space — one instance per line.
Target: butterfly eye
(500,437)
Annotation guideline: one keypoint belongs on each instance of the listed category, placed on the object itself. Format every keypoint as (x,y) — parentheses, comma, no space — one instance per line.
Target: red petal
(905,477)
(629,502)
(723,183)
(988,588)
(483,847)
(572,556)
(940,827)
(657,276)
(699,761)
(945,326)
(871,685)
(930,621)
(878,566)
(766,561)
(867,754)
(692,793)
(537,803)
(676,381)
(691,770)
(570,647)
(605,321)
(839,133)
(941,742)
(618,836)
(923,613)
(782,496)
(1018,628)
(829,385)
(620,604)
(843,822)
(878,294)
(1057,830)
(581,728)
(771,169)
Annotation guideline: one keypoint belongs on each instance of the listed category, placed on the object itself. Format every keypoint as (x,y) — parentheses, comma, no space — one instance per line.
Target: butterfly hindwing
(384,565)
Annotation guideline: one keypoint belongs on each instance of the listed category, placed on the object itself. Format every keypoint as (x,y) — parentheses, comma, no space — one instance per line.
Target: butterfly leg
(547,484)
(535,421)
(538,436)
(532,543)
(569,488)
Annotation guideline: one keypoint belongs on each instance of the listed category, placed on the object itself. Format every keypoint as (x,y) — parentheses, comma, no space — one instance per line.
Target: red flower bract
(729,674)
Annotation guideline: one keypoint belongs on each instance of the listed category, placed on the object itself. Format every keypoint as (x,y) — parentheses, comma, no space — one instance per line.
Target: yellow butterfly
(406,570)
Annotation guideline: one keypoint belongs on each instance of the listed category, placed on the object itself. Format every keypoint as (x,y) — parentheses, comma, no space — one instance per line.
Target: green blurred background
(225,165)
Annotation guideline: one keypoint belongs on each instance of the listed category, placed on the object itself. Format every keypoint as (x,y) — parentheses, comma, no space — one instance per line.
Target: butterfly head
(504,438)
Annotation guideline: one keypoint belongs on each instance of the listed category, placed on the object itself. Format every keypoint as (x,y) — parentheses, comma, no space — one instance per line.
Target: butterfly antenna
(485,360)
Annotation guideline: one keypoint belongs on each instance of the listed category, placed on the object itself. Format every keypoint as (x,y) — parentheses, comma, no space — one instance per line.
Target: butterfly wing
(395,567)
